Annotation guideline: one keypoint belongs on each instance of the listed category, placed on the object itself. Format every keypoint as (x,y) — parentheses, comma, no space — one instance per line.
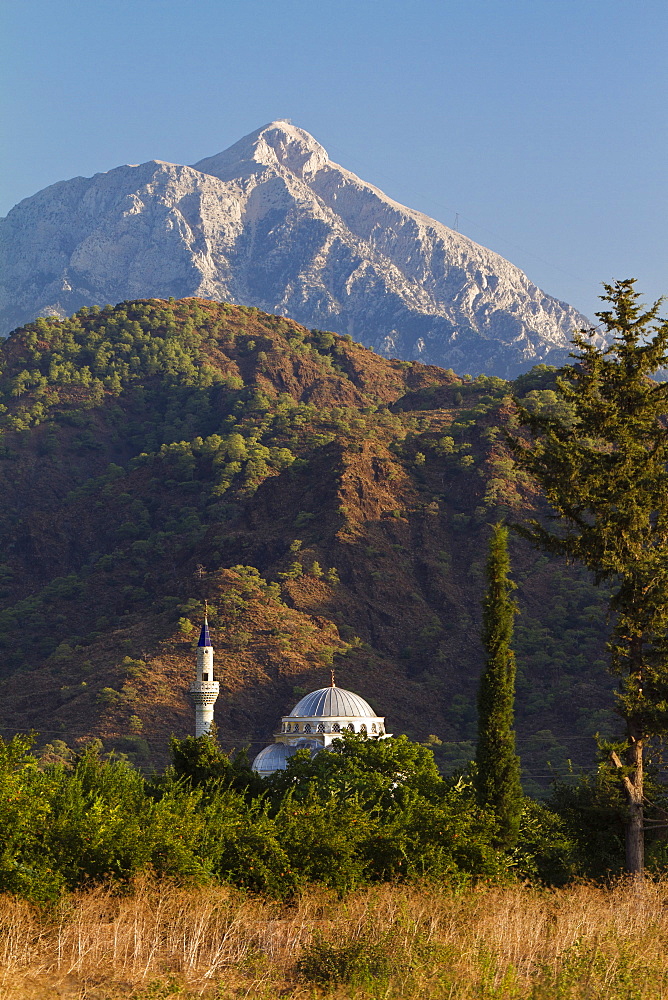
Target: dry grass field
(423,942)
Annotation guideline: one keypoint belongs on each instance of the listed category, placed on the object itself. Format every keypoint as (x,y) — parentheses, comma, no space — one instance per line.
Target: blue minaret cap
(204,639)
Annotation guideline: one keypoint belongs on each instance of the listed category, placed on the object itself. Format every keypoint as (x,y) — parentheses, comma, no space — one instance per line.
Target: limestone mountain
(273,222)
(331,505)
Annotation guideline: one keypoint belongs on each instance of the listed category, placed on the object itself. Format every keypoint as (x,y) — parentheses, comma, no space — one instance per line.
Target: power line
(484,229)
(256,742)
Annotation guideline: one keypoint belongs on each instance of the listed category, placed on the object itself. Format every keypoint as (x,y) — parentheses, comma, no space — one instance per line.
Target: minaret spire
(204,689)
(204,638)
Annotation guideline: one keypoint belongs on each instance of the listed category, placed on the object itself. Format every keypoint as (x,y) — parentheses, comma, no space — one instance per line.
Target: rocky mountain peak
(272,222)
(279,144)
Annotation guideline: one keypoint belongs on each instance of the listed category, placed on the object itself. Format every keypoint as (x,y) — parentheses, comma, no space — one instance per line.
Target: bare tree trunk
(635,836)
(633,789)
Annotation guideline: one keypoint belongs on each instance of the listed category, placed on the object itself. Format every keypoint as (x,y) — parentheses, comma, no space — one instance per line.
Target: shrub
(351,962)
(109,696)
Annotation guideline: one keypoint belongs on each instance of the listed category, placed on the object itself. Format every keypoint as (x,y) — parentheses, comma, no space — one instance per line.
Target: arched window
(307,727)
(363,729)
(289,728)
(373,727)
(321,727)
(336,728)
(296,727)
(351,727)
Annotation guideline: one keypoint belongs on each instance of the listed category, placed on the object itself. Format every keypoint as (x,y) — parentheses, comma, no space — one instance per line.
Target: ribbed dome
(332,703)
(273,758)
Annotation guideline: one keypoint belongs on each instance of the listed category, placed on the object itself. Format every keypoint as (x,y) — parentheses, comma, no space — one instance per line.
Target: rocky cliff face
(272,222)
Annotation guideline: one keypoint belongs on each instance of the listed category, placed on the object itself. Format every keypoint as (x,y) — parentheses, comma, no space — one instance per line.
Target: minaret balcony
(204,692)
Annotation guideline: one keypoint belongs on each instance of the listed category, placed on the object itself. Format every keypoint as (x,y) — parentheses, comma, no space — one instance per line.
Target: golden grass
(165,941)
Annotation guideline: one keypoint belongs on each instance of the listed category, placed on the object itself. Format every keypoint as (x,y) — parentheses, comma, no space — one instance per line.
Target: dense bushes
(366,811)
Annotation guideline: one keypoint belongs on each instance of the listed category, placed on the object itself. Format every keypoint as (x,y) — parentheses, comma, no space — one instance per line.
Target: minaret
(204,690)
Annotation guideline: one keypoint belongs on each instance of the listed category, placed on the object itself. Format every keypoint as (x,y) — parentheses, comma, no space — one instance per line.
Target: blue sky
(543,125)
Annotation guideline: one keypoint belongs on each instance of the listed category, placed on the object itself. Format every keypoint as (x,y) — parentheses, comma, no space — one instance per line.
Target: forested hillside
(332,506)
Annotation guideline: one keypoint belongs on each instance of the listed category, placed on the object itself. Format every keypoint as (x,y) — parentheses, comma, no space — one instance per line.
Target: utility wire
(458,215)
(255,742)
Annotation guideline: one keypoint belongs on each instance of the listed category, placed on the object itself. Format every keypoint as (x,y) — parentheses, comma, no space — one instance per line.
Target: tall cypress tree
(498,767)
(605,475)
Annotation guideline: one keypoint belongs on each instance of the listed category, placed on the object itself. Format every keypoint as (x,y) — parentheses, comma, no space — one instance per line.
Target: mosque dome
(273,758)
(332,703)
(316,721)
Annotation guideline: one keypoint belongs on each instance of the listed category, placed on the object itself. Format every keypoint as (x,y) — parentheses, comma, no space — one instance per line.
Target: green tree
(604,474)
(371,809)
(199,760)
(24,812)
(498,767)
(375,769)
(236,447)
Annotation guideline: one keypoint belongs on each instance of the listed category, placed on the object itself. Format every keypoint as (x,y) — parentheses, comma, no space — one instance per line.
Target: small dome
(273,758)
(306,744)
(332,703)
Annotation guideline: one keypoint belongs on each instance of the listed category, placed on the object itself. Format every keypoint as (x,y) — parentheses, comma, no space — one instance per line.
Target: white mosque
(314,723)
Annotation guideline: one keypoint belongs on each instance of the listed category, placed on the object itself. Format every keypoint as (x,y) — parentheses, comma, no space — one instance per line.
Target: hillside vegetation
(331,505)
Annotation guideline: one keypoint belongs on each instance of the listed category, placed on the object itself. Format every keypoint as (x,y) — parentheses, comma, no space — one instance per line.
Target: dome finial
(332,682)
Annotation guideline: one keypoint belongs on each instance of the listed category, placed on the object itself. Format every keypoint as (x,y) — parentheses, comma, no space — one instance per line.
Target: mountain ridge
(273,222)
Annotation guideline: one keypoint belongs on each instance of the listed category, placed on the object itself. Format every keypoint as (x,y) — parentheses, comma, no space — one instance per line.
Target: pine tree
(604,473)
(498,767)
